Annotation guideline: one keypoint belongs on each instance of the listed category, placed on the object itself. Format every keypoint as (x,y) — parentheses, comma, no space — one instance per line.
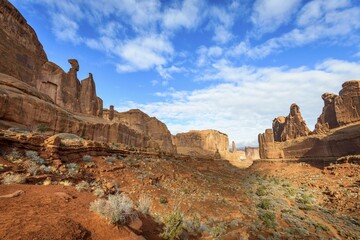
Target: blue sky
(195,64)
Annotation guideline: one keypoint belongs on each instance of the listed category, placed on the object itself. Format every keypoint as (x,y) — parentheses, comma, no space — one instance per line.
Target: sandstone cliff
(154,131)
(207,144)
(340,110)
(22,55)
(337,131)
(35,91)
(204,143)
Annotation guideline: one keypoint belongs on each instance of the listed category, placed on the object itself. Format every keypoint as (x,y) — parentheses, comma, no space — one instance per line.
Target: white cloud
(144,53)
(65,29)
(269,15)
(187,15)
(250,98)
(331,25)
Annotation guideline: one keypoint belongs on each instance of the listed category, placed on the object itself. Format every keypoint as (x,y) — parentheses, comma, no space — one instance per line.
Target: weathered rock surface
(327,119)
(203,143)
(22,55)
(278,127)
(40,92)
(155,132)
(294,125)
(340,110)
(347,105)
(252,153)
(23,106)
(337,131)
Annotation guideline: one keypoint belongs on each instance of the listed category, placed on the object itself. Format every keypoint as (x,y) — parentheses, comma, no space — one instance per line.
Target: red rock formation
(233,147)
(23,106)
(340,110)
(278,127)
(88,99)
(202,143)
(294,125)
(22,54)
(347,105)
(267,147)
(154,131)
(111,113)
(327,119)
(291,127)
(41,92)
(337,132)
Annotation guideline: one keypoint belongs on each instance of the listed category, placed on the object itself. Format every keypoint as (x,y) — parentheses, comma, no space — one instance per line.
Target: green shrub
(218,230)
(269,219)
(304,198)
(261,191)
(265,204)
(118,208)
(42,128)
(173,226)
(163,199)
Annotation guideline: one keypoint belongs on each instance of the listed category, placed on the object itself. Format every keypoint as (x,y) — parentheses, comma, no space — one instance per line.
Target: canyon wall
(36,91)
(207,144)
(154,131)
(337,131)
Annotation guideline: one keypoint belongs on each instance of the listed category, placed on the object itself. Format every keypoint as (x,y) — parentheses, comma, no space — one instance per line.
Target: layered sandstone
(293,127)
(154,131)
(205,143)
(23,106)
(35,91)
(337,131)
(340,110)
(22,55)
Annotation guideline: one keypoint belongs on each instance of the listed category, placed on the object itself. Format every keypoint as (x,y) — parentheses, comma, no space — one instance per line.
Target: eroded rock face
(88,100)
(327,119)
(278,127)
(328,139)
(202,143)
(347,104)
(293,127)
(340,110)
(155,132)
(233,147)
(252,153)
(22,54)
(267,146)
(41,92)
(23,106)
